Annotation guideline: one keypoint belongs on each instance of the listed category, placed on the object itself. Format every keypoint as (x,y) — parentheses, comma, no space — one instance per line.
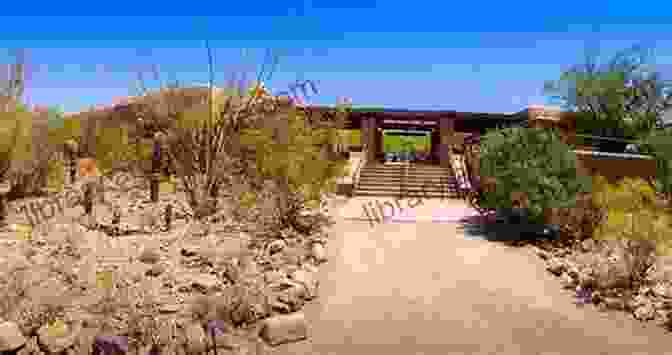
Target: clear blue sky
(466,56)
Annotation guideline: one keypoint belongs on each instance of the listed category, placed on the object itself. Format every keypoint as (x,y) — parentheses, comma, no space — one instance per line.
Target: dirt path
(423,288)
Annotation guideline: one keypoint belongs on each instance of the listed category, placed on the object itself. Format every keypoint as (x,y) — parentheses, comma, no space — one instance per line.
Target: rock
(155,270)
(280,307)
(661,290)
(588,245)
(224,341)
(616,303)
(662,269)
(149,256)
(308,280)
(232,247)
(555,266)
(276,246)
(568,282)
(273,277)
(10,337)
(31,348)
(282,329)
(294,297)
(318,252)
(170,308)
(645,312)
(205,283)
(543,254)
(58,337)
(596,297)
(195,338)
(586,280)
(310,268)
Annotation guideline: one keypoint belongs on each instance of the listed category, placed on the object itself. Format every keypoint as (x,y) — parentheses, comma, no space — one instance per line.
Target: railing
(403,171)
(460,173)
(358,170)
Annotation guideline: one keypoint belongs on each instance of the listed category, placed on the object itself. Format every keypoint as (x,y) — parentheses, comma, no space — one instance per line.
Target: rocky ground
(70,287)
(599,272)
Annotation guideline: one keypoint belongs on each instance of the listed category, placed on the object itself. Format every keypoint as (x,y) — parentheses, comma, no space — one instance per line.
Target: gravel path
(423,288)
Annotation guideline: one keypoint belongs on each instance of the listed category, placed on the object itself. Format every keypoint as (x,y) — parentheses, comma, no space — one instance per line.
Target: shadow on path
(488,228)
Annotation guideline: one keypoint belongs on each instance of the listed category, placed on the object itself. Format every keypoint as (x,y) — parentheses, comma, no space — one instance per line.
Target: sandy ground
(427,288)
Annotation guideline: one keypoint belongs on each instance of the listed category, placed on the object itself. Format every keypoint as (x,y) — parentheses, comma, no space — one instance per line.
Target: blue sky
(467,56)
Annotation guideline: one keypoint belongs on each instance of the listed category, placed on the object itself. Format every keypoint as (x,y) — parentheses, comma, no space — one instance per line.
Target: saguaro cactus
(71,151)
(159,139)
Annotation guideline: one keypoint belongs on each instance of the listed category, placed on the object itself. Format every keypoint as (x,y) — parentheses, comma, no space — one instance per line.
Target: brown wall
(616,168)
(612,168)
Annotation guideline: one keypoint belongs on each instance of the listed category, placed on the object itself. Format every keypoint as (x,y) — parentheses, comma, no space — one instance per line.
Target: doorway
(406,146)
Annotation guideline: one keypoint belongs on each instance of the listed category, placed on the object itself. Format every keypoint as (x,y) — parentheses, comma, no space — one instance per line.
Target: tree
(624,97)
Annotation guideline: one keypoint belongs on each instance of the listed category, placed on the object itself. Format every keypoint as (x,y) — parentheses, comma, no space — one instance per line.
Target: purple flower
(216,327)
(110,345)
(584,296)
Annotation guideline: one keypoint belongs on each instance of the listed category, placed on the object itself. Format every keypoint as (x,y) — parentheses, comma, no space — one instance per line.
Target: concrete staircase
(406,180)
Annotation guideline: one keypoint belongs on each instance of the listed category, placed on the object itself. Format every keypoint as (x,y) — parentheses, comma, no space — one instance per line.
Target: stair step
(423,181)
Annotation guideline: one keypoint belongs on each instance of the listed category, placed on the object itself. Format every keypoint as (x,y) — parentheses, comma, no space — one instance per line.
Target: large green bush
(533,162)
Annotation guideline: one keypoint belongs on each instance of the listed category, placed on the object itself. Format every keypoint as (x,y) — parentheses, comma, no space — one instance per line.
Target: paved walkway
(423,288)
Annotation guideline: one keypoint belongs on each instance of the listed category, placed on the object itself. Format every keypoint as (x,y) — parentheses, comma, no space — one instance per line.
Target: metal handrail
(358,170)
(403,171)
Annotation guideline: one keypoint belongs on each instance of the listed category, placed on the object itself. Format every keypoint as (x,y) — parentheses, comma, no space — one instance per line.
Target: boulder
(10,337)
(662,269)
(150,256)
(155,270)
(615,303)
(294,297)
(308,280)
(276,246)
(286,328)
(31,348)
(318,252)
(645,312)
(555,266)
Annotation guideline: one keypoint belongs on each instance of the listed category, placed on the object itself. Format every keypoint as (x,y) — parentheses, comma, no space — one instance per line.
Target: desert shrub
(657,144)
(578,222)
(35,155)
(115,150)
(300,164)
(634,228)
(531,162)
(201,142)
(10,130)
(632,213)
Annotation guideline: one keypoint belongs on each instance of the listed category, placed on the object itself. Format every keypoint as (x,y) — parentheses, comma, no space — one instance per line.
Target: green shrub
(534,163)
